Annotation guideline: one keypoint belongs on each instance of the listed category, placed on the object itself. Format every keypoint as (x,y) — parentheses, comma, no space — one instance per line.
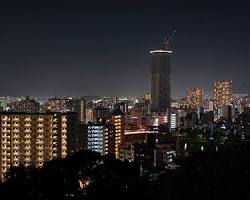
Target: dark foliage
(107,177)
(218,175)
(209,176)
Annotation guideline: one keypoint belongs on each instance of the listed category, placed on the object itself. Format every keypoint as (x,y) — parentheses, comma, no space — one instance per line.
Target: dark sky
(102,47)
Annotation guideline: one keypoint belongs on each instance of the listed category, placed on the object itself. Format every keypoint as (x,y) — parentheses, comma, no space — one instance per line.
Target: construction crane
(167,40)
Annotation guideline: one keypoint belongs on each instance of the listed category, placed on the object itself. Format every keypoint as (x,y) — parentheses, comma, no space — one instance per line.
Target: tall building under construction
(160,80)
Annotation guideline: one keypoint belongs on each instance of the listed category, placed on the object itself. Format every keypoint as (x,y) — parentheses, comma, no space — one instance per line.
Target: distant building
(191,120)
(240,101)
(246,121)
(147,97)
(222,92)
(89,115)
(211,106)
(148,149)
(226,112)
(34,138)
(160,80)
(100,113)
(195,97)
(3,103)
(207,118)
(124,107)
(27,105)
(173,121)
(64,105)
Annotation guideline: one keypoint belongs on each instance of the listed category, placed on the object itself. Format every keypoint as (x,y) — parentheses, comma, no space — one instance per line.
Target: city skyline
(64,49)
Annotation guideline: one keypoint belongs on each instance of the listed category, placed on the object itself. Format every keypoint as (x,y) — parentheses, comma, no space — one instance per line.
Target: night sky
(50,48)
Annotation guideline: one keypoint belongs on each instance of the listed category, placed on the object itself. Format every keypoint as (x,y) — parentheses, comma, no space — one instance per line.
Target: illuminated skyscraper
(160,80)
(222,92)
(195,97)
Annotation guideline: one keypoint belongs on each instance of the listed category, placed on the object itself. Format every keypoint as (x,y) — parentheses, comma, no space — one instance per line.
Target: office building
(222,92)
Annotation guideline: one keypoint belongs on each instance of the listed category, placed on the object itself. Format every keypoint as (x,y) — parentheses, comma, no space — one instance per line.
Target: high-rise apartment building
(222,92)
(34,138)
(118,122)
(96,137)
(160,80)
(101,137)
(195,97)
(173,121)
(106,135)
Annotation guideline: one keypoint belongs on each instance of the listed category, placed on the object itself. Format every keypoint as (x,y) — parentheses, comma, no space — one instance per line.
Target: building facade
(96,138)
(195,97)
(34,138)
(222,92)
(64,105)
(26,105)
(160,80)
(118,122)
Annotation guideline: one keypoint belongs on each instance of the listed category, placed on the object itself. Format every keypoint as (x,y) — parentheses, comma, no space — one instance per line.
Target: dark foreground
(87,175)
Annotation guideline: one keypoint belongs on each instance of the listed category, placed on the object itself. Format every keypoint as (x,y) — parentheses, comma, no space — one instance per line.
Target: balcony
(27,142)
(5,136)
(27,119)
(27,125)
(39,125)
(40,153)
(27,159)
(16,159)
(64,125)
(16,148)
(40,159)
(27,153)
(40,119)
(5,125)
(16,136)
(27,136)
(16,119)
(64,136)
(40,136)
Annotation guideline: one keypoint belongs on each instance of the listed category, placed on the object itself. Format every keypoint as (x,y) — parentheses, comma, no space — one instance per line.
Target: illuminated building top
(161,51)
